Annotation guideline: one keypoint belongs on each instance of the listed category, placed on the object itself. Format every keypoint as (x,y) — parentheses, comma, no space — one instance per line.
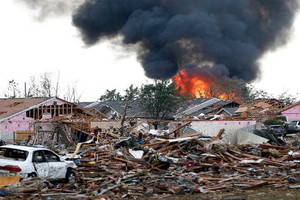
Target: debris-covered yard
(200,127)
(85,154)
(114,168)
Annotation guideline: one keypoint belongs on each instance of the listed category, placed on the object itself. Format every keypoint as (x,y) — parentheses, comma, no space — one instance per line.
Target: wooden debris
(171,167)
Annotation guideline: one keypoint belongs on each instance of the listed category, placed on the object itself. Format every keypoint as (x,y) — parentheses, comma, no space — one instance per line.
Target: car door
(40,164)
(57,168)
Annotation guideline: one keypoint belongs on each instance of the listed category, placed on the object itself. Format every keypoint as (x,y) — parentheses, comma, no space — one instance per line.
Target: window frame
(44,153)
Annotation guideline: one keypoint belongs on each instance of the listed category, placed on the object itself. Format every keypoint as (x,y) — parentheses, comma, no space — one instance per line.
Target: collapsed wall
(211,128)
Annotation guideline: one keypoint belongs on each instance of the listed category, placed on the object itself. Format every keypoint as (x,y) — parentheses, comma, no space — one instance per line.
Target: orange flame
(199,86)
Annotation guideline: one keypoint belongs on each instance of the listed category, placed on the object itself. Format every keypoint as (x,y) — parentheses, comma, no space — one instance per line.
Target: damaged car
(24,161)
(277,130)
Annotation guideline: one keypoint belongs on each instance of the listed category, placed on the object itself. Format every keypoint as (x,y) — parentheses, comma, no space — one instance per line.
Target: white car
(40,162)
(294,126)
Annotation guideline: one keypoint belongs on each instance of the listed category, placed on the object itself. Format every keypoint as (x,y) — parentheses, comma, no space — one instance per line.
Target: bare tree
(46,84)
(13,90)
(33,89)
(43,86)
(48,89)
(72,94)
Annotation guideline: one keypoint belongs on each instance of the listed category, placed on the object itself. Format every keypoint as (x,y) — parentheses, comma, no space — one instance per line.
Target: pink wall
(292,113)
(240,123)
(213,126)
(21,122)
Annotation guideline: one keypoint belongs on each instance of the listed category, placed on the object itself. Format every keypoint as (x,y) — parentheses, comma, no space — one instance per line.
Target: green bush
(273,122)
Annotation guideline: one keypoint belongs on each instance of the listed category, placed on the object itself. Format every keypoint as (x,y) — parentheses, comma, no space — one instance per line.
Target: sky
(30,47)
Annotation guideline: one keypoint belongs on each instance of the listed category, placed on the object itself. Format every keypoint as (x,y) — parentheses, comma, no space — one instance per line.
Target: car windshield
(276,126)
(14,154)
(293,123)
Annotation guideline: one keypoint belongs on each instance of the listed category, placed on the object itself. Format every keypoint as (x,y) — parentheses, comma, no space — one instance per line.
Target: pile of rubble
(115,168)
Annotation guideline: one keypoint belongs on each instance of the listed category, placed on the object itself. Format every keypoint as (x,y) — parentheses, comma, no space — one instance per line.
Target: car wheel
(32,175)
(70,176)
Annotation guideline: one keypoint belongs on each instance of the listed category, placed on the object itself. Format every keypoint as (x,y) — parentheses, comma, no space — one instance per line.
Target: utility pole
(25,90)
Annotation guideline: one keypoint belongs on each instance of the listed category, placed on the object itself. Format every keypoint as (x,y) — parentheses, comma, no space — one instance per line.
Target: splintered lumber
(191,135)
(80,130)
(232,156)
(168,147)
(174,166)
(266,160)
(218,187)
(123,160)
(250,184)
(133,188)
(219,136)
(110,188)
(179,128)
(79,145)
(174,151)
(155,143)
(179,139)
(57,194)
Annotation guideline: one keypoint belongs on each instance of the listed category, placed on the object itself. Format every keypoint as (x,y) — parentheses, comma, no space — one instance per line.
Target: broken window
(38,157)
(51,157)
(14,154)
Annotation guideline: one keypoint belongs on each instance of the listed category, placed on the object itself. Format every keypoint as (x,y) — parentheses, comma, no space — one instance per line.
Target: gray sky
(29,47)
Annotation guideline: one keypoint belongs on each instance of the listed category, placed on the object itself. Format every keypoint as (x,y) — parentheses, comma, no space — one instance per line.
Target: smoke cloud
(46,8)
(213,72)
(172,33)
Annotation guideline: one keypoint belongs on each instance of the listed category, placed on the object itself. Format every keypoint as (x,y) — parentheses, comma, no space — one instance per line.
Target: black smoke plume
(172,33)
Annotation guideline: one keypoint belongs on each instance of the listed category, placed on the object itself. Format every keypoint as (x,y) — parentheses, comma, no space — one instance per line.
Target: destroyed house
(261,109)
(18,114)
(203,106)
(115,109)
(228,112)
(88,108)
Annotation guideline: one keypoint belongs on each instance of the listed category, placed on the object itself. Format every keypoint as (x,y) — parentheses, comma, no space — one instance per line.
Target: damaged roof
(84,104)
(192,103)
(13,106)
(272,105)
(204,105)
(229,111)
(134,109)
(290,106)
(9,107)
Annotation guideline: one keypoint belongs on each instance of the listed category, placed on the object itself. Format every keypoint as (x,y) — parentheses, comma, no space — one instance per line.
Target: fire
(199,85)
(191,84)
(223,97)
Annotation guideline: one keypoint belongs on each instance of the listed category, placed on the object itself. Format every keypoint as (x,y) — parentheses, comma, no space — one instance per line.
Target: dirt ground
(260,194)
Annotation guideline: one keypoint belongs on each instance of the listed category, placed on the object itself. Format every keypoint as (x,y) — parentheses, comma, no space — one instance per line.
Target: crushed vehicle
(276,130)
(24,161)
